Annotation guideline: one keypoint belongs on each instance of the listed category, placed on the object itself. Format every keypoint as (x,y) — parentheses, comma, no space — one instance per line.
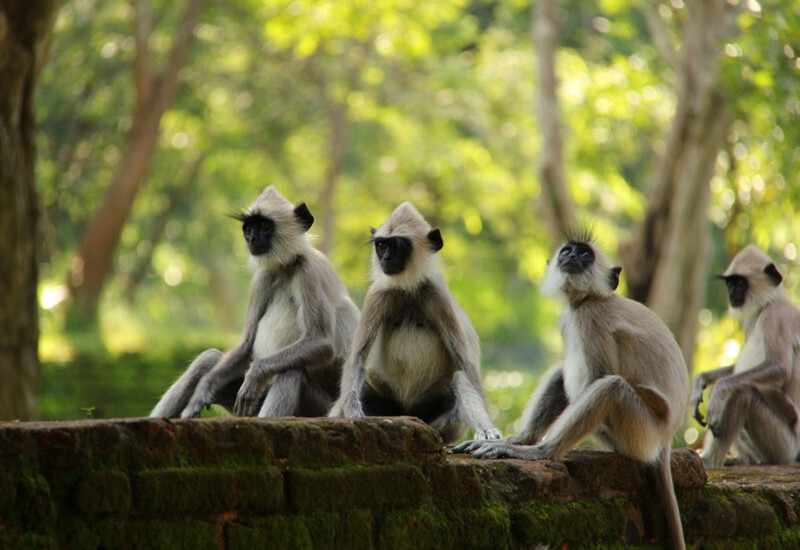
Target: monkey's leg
(294,393)
(178,395)
(771,438)
(545,405)
(631,423)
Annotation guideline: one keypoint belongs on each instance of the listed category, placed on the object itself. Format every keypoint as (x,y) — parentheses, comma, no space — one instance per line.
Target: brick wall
(234,484)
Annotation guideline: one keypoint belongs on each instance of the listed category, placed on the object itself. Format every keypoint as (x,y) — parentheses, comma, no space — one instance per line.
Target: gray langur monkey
(415,351)
(753,404)
(299,323)
(623,378)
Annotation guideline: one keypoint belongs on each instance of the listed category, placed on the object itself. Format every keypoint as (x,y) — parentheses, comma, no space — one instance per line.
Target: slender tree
(667,259)
(155,91)
(25,32)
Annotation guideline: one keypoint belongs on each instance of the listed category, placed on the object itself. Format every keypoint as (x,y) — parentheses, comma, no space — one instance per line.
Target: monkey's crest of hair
(406,221)
(750,262)
(580,235)
(593,281)
(289,240)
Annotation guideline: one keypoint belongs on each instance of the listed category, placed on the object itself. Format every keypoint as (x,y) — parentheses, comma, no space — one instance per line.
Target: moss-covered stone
(206,491)
(104,493)
(719,513)
(280,532)
(581,524)
(28,541)
(369,488)
(480,528)
(157,535)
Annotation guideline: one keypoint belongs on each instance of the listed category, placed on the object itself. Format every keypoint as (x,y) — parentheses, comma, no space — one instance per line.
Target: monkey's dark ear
(435,238)
(613,277)
(372,231)
(303,216)
(773,274)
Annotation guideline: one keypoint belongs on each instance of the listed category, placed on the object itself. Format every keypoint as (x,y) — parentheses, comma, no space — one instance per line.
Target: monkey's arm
(313,349)
(546,403)
(775,371)
(348,405)
(471,402)
(234,363)
(701,382)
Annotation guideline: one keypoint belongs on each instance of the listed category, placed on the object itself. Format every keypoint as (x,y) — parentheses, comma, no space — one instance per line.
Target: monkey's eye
(380,247)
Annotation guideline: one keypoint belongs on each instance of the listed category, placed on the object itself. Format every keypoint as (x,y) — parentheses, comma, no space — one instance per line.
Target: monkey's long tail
(666,491)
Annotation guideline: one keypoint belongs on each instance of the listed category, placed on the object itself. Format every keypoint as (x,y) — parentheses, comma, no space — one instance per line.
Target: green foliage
(439,109)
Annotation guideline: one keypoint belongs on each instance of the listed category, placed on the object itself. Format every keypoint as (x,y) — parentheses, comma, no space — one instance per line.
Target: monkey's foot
(502,450)
(468,446)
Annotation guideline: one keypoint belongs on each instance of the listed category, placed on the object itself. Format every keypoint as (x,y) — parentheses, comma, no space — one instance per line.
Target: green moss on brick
(579,524)
(341,489)
(415,530)
(103,493)
(428,528)
(28,541)
(33,503)
(280,532)
(157,535)
(718,513)
(351,530)
(207,491)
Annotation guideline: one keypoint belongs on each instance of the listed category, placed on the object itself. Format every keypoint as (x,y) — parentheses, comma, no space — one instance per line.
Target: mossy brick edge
(231,483)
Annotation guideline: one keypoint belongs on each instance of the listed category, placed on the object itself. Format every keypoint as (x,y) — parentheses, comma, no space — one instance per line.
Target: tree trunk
(25,33)
(154,93)
(666,262)
(337,114)
(555,203)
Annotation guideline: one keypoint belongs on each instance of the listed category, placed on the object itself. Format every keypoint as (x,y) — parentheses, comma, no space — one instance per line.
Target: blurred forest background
(669,127)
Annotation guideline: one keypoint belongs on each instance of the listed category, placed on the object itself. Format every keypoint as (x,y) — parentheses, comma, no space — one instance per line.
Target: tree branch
(659,35)
(168,80)
(143,73)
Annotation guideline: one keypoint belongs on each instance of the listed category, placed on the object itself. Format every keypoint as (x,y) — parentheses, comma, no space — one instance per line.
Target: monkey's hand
(195,406)
(248,397)
(697,398)
(716,403)
(491,433)
(351,406)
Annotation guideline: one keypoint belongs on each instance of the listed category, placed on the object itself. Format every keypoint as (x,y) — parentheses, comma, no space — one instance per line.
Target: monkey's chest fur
(278,327)
(409,360)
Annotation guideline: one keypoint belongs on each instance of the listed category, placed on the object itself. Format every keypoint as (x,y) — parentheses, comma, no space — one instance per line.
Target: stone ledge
(372,483)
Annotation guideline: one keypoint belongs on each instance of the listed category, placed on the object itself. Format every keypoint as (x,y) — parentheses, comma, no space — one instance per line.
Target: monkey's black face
(737,288)
(393,253)
(258,231)
(575,257)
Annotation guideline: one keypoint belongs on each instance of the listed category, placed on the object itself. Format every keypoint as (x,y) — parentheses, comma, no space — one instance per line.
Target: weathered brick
(104,493)
(206,491)
(370,488)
